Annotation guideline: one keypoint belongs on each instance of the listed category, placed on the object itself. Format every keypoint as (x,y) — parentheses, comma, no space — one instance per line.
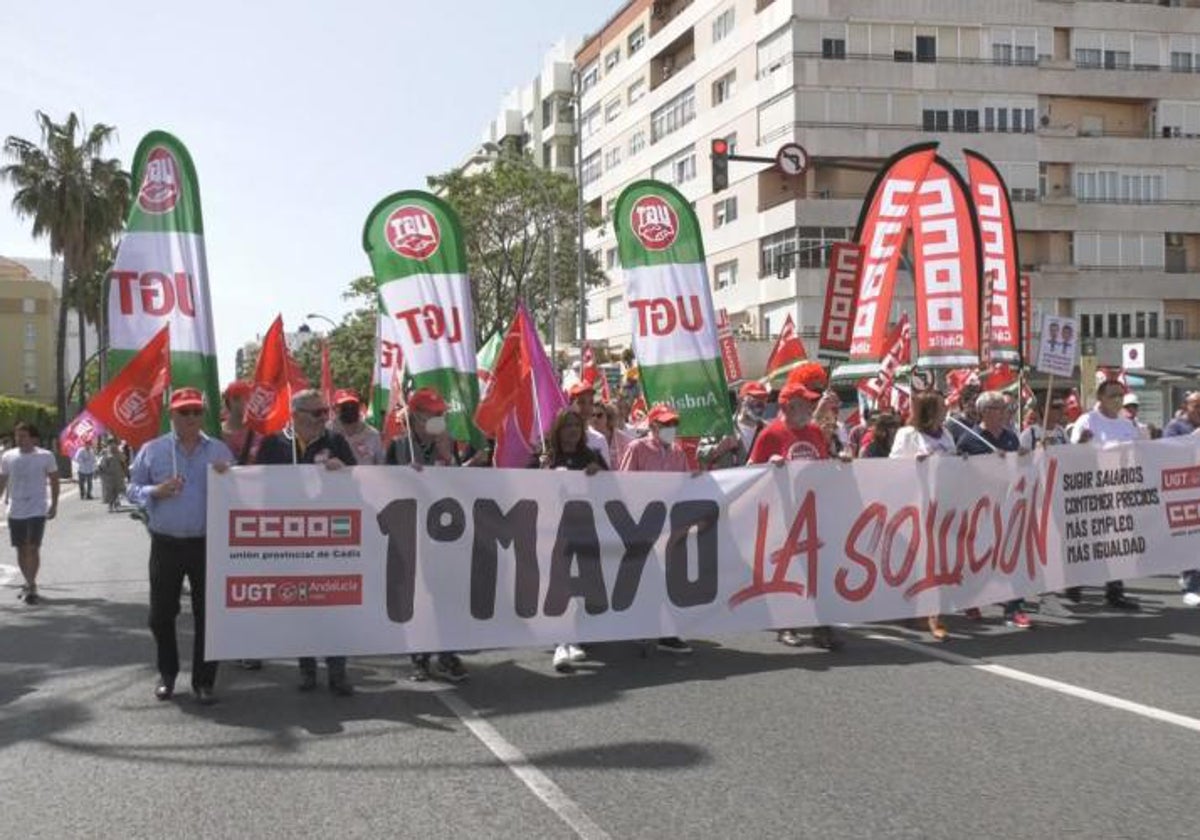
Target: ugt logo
(663,316)
(654,223)
(412,232)
(160,185)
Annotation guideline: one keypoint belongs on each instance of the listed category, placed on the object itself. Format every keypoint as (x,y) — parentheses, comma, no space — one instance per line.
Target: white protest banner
(369,560)
(1058,346)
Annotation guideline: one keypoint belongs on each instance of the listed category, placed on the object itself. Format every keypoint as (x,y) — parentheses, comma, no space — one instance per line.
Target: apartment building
(28,313)
(1091,110)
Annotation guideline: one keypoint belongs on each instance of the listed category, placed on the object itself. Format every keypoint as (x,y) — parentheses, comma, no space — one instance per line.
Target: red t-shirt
(778,438)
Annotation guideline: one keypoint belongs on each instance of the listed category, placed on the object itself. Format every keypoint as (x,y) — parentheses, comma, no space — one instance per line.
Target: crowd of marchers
(167,479)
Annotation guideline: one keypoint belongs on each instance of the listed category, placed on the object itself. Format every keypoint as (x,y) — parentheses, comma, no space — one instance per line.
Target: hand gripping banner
(670,303)
(882,227)
(998,243)
(946,270)
(160,275)
(417,252)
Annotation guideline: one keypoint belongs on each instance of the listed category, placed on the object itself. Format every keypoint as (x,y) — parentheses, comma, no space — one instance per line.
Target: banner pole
(292,424)
(1046,410)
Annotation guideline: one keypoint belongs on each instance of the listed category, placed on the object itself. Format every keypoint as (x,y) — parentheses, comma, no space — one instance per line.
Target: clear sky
(299,116)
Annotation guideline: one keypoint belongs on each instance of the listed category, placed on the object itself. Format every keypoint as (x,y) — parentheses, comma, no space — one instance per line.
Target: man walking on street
(85,469)
(312,443)
(169,478)
(24,472)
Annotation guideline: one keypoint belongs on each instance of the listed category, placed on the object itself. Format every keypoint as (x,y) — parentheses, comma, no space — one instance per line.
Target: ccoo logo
(132,407)
(654,223)
(260,403)
(160,185)
(412,232)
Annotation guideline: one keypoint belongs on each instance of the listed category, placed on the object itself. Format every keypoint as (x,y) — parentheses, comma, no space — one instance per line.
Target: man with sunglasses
(169,479)
(312,442)
(734,450)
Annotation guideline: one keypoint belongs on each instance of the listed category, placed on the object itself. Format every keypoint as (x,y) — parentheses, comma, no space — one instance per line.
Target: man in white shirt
(1106,424)
(85,469)
(24,472)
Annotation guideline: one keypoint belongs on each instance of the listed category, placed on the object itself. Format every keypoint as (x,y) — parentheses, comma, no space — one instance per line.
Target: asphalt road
(743,739)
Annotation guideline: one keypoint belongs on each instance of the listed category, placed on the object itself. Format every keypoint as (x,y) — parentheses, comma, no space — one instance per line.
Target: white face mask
(435,425)
(666,435)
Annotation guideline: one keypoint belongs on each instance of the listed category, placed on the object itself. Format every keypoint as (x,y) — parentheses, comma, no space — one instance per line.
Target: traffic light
(720,165)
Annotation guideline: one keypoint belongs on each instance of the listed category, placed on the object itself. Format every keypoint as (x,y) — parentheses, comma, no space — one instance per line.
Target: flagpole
(408,422)
(168,393)
(292,423)
(1046,411)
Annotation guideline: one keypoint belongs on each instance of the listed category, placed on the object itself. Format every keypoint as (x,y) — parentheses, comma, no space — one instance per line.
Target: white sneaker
(576,654)
(562,659)
(1191,599)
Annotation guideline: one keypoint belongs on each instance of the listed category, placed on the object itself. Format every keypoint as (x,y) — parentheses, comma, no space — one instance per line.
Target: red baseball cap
(237,388)
(581,388)
(755,390)
(662,414)
(187,398)
(427,401)
(345,395)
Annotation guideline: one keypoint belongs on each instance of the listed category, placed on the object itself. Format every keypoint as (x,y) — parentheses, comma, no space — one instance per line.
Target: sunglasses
(599,415)
(189,412)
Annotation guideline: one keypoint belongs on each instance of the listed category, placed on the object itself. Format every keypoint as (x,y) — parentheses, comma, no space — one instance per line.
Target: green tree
(512,214)
(75,197)
(351,342)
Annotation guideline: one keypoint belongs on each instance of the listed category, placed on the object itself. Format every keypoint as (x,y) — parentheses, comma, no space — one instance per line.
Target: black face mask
(348,414)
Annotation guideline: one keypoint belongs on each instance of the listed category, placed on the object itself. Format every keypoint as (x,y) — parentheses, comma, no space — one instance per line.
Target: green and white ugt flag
(160,274)
(670,304)
(418,255)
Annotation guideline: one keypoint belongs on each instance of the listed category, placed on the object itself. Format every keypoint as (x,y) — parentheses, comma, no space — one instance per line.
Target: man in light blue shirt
(169,477)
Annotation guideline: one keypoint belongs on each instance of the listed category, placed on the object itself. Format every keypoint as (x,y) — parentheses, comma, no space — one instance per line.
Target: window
(724,87)
(612,60)
(1026,56)
(774,253)
(1002,54)
(590,122)
(29,364)
(1116,59)
(1088,58)
(637,39)
(30,336)
(589,76)
(610,259)
(612,109)
(611,158)
(677,169)
(725,211)
(723,24)
(1174,327)
(775,51)
(926,48)
(637,90)
(725,274)
(814,244)
(833,48)
(966,120)
(590,170)
(672,116)
(29,306)
(1181,62)
(935,120)
(637,142)
(614,307)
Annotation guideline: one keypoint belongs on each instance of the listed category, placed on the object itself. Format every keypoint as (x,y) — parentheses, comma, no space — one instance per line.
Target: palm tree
(74,196)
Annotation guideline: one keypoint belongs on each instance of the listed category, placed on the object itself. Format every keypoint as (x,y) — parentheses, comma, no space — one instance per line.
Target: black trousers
(171,560)
(336,665)
(85,485)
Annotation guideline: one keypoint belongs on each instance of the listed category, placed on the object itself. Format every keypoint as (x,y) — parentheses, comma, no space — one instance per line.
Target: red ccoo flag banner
(130,405)
(729,352)
(998,244)
(841,297)
(268,408)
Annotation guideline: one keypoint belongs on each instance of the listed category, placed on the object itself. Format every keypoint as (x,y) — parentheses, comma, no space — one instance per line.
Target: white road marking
(543,786)
(1113,702)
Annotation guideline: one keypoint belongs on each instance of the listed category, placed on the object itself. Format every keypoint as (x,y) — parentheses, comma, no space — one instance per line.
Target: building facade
(28,312)
(1091,110)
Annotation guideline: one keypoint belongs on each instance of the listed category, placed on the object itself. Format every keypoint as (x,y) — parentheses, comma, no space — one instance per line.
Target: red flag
(80,432)
(326,373)
(787,353)
(998,237)
(1071,407)
(131,404)
(879,387)
(999,377)
(393,425)
(638,409)
(590,374)
(730,359)
(268,408)
(841,298)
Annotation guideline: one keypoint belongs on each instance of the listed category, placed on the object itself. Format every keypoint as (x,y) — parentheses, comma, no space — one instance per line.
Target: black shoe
(673,644)
(32,598)
(449,667)
(1120,602)
(789,638)
(250,664)
(205,696)
(823,638)
(308,681)
(341,688)
(1074,594)
(165,690)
